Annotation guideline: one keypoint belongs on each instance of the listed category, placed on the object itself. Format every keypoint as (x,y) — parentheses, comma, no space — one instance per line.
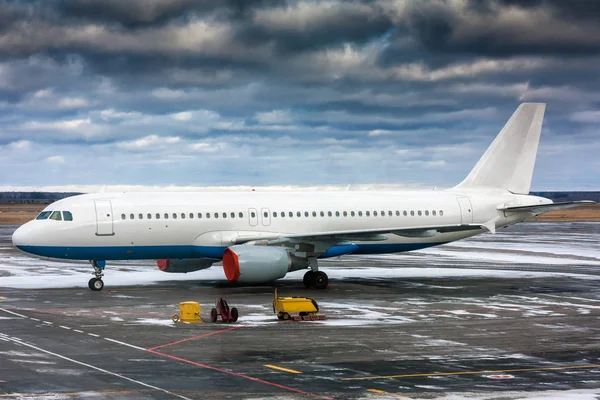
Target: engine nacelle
(255,264)
(184,266)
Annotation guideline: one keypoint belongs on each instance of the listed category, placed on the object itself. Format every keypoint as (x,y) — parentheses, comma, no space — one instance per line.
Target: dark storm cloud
(507,27)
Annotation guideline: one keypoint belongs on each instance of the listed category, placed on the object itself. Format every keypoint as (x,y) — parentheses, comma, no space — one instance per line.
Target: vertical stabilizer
(508,162)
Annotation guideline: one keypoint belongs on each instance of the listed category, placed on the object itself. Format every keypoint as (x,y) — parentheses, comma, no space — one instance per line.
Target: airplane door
(266,216)
(466,210)
(253,215)
(104,219)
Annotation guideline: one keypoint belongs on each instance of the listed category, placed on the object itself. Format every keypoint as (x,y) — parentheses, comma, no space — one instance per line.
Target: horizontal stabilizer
(542,208)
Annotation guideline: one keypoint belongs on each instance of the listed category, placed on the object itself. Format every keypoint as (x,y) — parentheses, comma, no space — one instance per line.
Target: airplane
(263,236)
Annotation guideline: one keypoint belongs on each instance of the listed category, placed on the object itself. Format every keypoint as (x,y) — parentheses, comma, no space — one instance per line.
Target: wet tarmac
(461,328)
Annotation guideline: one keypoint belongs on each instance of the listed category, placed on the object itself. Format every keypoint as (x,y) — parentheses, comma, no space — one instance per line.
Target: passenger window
(433,213)
(306,213)
(131,216)
(266,214)
(67,216)
(141,216)
(207,215)
(191,215)
(352,213)
(337,213)
(298,214)
(322,214)
(397,213)
(122,216)
(360,213)
(314,213)
(216,215)
(46,214)
(383,213)
(157,216)
(149,216)
(389,213)
(174,216)
(441,213)
(200,215)
(345,214)
(374,213)
(224,215)
(166,216)
(241,215)
(182,215)
(282,214)
(368,214)
(291,214)
(329,213)
(426,213)
(412,213)
(232,215)
(419,213)
(56,216)
(275,214)
(405,213)
(252,214)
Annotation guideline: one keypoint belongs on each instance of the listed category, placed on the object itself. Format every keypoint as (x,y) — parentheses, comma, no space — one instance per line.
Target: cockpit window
(56,216)
(44,215)
(67,216)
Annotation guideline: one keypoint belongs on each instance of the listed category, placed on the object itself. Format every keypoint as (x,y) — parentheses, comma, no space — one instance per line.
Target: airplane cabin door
(253,215)
(266,216)
(104,219)
(466,210)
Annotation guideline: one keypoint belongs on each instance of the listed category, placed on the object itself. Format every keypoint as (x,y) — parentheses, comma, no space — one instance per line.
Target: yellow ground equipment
(189,311)
(306,308)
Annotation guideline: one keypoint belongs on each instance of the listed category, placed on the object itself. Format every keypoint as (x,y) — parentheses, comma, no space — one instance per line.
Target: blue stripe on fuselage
(188,251)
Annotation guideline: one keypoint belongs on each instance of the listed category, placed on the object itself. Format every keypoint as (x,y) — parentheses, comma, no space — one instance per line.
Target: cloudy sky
(303,93)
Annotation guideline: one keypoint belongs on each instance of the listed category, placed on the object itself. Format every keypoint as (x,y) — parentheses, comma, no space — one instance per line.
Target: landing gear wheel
(234,314)
(320,280)
(213,315)
(308,277)
(95,284)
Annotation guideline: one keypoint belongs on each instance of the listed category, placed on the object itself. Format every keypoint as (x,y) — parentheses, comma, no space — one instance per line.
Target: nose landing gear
(96,283)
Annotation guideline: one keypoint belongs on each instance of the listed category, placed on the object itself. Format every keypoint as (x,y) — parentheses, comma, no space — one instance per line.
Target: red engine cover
(231,265)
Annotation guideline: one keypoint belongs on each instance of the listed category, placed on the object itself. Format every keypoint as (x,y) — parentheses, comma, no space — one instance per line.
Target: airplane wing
(362,235)
(542,208)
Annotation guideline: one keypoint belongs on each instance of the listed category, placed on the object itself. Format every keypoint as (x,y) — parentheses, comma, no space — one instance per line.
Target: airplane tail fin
(508,162)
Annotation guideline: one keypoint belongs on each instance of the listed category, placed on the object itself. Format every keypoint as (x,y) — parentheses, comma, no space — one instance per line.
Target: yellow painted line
(291,371)
(387,393)
(474,372)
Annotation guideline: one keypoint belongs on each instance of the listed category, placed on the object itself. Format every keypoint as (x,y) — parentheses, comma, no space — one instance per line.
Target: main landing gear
(96,283)
(315,278)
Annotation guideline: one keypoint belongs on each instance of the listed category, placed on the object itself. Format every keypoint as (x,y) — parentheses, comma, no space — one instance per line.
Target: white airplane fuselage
(182,225)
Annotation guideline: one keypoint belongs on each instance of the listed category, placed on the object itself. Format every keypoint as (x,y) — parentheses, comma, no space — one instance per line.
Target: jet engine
(184,266)
(257,264)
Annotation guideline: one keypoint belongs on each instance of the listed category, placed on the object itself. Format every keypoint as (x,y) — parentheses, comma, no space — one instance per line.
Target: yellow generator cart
(304,308)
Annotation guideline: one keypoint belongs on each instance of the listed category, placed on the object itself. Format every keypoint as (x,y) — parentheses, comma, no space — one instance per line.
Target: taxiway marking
(383,392)
(251,378)
(86,392)
(124,344)
(64,327)
(14,313)
(559,368)
(22,343)
(291,371)
(197,337)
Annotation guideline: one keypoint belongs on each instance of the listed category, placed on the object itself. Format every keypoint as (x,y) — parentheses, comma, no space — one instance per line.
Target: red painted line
(224,371)
(197,337)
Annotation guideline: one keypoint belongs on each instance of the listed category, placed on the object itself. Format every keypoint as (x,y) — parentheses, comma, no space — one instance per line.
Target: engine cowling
(183,266)
(255,264)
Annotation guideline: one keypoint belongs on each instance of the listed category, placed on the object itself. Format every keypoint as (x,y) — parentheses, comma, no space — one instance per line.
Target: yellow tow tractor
(306,308)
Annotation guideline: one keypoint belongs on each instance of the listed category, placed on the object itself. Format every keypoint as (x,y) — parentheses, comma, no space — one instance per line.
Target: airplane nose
(19,237)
